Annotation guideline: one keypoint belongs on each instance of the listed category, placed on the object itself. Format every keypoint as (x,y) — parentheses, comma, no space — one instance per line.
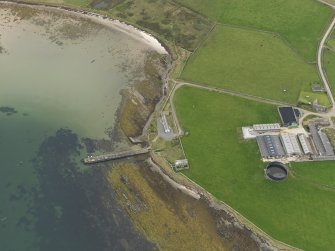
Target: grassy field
(300,22)
(329,61)
(307,97)
(298,211)
(251,62)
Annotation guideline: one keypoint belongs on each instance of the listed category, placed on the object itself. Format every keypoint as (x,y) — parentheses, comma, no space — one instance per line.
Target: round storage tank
(276,171)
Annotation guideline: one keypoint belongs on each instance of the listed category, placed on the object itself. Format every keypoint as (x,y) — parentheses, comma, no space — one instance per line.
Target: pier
(115,155)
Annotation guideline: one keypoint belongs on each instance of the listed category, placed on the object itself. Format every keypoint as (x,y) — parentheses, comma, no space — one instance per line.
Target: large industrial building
(321,141)
(305,145)
(290,144)
(329,151)
(270,146)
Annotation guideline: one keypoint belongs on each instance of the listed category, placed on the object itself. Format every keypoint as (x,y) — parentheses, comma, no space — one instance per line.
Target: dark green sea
(60,82)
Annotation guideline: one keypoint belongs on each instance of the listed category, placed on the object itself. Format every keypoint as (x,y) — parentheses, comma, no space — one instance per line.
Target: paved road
(320,68)
(331,112)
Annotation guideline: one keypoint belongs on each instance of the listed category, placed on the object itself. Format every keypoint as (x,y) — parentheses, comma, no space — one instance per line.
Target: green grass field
(307,97)
(329,61)
(300,22)
(298,211)
(251,62)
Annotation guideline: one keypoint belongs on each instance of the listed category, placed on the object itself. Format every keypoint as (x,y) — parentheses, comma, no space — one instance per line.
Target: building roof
(181,163)
(326,143)
(287,115)
(317,88)
(270,146)
(306,147)
(266,127)
(317,139)
(290,143)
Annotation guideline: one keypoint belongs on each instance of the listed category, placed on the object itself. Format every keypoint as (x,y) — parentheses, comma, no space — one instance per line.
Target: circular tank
(276,171)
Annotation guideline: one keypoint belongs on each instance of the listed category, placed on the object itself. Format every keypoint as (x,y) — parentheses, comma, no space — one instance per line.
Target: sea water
(58,73)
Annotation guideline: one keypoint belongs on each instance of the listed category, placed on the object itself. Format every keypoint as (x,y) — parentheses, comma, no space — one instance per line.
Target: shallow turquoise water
(59,72)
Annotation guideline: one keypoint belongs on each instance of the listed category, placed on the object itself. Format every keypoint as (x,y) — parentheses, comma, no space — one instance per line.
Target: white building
(290,144)
(305,145)
(260,128)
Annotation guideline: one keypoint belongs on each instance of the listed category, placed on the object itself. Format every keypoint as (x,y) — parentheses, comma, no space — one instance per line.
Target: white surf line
(106,21)
(320,50)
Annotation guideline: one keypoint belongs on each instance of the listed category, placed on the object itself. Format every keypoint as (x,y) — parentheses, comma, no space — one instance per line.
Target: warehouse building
(290,144)
(321,141)
(329,151)
(270,146)
(305,145)
(262,128)
(316,139)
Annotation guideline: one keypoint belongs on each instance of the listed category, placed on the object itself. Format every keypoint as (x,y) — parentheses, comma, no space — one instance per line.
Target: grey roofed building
(317,88)
(305,145)
(326,143)
(266,127)
(316,139)
(317,107)
(290,144)
(181,164)
(270,146)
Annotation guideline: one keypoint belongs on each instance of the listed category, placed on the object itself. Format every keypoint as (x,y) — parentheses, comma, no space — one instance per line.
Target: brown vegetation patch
(169,20)
(172,219)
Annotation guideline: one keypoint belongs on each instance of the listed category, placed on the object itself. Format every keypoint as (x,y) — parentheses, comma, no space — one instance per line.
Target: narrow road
(331,112)
(229,92)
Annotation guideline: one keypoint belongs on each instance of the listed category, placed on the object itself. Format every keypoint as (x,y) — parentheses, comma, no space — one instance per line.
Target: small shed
(317,88)
(181,164)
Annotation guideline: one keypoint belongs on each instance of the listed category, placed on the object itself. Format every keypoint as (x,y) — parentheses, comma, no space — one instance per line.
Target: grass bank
(251,62)
(298,211)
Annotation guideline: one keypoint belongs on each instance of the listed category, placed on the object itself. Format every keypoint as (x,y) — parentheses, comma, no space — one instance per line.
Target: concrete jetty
(115,155)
